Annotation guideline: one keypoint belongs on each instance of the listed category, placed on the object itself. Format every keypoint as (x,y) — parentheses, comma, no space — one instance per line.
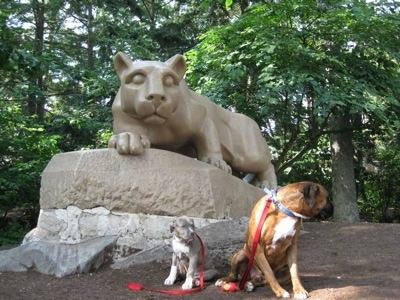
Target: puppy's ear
(172,226)
(310,191)
(191,222)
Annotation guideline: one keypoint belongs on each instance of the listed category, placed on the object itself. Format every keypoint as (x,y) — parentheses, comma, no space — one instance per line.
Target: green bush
(25,151)
(12,234)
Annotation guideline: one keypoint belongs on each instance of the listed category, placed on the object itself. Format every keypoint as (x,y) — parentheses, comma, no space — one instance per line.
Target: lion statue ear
(178,64)
(121,63)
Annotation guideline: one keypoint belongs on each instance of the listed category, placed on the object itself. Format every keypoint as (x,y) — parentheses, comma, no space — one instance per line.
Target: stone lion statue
(154,107)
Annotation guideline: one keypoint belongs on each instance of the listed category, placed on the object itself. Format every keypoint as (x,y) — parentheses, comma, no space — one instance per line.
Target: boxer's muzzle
(326,212)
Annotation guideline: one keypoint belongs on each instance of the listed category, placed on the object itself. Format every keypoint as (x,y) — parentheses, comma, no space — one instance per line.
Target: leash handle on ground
(138,287)
(255,243)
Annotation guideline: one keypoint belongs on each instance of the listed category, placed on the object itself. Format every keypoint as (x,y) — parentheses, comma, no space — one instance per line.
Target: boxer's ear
(310,191)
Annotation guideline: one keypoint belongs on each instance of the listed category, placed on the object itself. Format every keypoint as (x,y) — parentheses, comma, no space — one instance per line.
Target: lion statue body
(154,107)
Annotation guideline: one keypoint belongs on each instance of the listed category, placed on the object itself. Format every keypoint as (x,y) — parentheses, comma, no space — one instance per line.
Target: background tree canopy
(321,78)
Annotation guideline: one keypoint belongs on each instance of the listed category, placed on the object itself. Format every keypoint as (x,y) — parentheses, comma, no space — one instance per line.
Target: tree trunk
(36,99)
(343,178)
(91,37)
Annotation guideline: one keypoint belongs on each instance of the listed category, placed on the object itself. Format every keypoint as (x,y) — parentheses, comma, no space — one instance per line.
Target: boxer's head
(307,198)
(317,198)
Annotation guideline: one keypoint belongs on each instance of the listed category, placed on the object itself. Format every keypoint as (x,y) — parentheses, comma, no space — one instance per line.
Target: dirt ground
(337,261)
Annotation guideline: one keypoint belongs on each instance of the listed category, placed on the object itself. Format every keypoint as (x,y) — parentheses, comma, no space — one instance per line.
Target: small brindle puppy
(187,255)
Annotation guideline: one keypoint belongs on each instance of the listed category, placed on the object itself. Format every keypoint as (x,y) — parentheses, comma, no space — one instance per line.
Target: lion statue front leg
(208,145)
(219,163)
(129,143)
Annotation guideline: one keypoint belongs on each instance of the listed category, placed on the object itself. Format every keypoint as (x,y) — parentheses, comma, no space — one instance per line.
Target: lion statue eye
(169,80)
(137,78)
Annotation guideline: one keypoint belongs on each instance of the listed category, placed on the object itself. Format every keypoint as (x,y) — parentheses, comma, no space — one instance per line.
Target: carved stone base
(157,182)
(127,203)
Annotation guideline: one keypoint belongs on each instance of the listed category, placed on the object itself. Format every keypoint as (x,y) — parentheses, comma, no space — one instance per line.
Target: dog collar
(273,194)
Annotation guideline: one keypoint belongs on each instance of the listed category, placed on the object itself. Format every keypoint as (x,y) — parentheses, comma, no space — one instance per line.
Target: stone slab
(98,206)
(157,182)
(57,258)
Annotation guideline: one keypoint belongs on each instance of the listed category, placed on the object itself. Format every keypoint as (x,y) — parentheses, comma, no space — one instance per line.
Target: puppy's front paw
(188,284)
(169,281)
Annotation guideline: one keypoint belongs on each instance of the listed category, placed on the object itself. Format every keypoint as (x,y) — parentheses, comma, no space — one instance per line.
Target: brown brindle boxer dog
(275,260)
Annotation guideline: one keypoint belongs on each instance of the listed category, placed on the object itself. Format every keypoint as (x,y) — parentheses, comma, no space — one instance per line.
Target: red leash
(138,287)
(255,243)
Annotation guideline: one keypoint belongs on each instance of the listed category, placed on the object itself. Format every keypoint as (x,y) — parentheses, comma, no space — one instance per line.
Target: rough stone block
(157,182)
(58,259)
(98,204)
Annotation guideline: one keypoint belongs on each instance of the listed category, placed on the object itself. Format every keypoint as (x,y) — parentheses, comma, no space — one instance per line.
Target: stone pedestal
(129,200)
(157,182)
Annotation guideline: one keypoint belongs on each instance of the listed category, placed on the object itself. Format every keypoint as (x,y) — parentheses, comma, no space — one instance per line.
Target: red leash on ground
(231,286)
(138,287)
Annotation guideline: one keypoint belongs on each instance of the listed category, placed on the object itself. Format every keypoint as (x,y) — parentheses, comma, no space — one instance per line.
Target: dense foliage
(295,67)
(291,65)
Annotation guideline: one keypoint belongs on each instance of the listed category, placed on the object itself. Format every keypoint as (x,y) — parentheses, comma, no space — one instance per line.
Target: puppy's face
(183,228)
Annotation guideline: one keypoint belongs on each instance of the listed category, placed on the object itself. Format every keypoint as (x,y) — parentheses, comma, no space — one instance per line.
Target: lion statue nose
(157,99)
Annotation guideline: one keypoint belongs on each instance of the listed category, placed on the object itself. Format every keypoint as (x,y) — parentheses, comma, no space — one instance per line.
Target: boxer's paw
(300,292)
(283,294)
(249,286)
(220,282)
(301,295)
